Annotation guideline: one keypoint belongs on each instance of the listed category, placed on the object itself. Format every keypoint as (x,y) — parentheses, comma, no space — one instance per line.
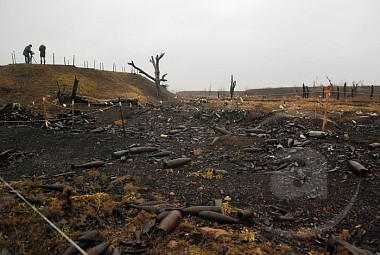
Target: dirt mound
(23,83)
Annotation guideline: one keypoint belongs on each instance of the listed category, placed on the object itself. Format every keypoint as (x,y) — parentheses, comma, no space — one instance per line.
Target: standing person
(42,50)
(28,53)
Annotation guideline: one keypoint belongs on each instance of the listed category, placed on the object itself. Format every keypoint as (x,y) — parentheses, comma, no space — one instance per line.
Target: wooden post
(72,113)
(73,60)
(45,111)
(53,59)
(337,92)
(323,92)
(344,89)
(64,60)
(326,108)
(94,64)
(303,90)
(75,88)
(122,117)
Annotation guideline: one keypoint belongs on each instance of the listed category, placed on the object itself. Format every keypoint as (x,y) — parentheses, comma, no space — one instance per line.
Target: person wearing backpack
(28,54)
(42,50)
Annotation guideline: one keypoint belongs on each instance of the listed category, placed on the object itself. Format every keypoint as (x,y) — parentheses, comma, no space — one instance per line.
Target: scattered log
(220,130)
(176,163)
(56,186)
(92,164)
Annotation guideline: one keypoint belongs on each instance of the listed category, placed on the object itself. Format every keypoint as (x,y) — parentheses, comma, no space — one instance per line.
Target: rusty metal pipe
(152,208)
(245,214)
(170,222)
(138,150)
(218,217)
(176,163)
(92,164)
(194,210)
(358,168)
(99,249)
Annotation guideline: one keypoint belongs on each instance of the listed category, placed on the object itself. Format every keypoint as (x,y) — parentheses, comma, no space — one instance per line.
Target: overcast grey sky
(264,43)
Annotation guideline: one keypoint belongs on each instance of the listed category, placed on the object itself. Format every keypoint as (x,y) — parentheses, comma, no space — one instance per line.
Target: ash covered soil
(300,189)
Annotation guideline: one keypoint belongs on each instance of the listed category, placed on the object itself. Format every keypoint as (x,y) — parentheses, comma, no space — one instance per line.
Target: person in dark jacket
(42,50)
(28,53)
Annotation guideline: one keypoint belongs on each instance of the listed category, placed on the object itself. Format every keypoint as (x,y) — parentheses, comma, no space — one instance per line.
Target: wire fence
(70,61)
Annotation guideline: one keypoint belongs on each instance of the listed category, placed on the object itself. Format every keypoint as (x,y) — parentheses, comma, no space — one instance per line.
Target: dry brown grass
(22,83)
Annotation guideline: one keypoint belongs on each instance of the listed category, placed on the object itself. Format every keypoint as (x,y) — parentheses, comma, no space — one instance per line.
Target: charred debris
(204,144)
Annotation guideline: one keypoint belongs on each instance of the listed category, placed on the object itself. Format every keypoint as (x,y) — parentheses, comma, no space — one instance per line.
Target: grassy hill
(22,83)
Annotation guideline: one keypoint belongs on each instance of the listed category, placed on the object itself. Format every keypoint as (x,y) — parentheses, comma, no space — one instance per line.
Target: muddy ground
(299,192)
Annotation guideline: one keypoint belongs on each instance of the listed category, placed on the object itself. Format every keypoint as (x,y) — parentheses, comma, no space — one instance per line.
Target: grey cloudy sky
(264,43)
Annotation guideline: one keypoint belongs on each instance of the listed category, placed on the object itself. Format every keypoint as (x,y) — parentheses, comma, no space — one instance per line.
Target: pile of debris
(14,113)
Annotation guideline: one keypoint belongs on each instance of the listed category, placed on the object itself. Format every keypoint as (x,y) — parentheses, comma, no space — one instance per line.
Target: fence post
(337,93)
(326,109)
(323,92)
(53,59)
(122,117)
(45,111)
(303,91)
(72,113)
(64,60)
(371,96)
(73,60)
(344,89)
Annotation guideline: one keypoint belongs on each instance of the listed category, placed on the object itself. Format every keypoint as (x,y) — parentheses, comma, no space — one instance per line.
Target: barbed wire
(44,217)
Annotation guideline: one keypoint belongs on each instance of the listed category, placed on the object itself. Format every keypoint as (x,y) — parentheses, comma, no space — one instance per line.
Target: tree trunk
(232,86)
(156,79)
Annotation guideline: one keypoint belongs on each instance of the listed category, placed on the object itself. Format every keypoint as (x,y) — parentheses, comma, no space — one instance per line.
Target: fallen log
(92,164)
(176,163)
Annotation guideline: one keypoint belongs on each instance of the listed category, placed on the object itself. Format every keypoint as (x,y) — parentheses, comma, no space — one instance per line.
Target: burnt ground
(312,184)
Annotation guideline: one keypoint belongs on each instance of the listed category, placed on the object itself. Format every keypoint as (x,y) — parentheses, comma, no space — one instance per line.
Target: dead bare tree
(232,86)
(355,85)
(156,79)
